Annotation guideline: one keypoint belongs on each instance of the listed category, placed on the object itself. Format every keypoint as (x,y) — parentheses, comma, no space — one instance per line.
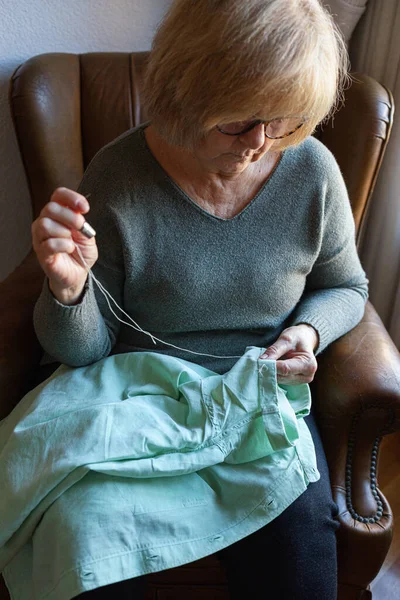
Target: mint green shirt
(142,462)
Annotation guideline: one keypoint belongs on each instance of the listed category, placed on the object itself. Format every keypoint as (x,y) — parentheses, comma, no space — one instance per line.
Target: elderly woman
(221,225)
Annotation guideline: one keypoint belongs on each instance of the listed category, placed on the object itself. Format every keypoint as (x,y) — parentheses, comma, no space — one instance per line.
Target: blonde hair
(217,61)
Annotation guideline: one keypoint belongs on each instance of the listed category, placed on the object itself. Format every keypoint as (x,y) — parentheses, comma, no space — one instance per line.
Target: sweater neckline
(192,202)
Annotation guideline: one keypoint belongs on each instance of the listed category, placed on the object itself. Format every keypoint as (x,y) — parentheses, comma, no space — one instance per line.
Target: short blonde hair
(217,61)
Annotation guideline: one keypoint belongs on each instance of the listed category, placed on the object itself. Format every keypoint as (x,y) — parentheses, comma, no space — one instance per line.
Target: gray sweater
(202,282)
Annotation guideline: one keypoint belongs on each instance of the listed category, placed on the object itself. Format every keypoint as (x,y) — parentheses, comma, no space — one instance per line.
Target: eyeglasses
(275,129)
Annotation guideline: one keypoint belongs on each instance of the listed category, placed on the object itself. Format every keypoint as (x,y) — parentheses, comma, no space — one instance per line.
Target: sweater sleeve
(86,332)
(336,289)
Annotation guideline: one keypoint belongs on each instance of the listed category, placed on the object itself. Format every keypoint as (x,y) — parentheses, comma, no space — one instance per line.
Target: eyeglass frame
(265,123)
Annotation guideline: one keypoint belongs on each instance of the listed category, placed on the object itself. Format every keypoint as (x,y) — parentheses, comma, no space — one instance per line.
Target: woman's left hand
(294,354)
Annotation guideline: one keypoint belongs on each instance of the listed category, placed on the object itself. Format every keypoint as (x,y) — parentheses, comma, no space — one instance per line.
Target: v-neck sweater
(202,282)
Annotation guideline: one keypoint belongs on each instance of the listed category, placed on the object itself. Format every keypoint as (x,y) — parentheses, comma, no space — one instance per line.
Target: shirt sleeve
(336,288)
(86,332)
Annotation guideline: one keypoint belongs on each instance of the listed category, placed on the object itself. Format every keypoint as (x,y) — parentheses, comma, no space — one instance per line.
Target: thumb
(277,349)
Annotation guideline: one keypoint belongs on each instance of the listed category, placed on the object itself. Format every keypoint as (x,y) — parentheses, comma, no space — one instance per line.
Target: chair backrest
(65,107)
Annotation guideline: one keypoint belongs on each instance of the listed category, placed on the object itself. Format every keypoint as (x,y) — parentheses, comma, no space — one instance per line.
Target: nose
(255,138)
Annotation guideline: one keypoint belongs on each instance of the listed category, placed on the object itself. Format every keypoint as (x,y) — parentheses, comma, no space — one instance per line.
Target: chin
(238,167)
(237,163)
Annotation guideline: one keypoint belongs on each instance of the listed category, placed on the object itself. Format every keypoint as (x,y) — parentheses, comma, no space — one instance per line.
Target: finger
(294,379)
(71,199)
(52,246)
(63,215)
(46,228)
(279,348)
(297,366)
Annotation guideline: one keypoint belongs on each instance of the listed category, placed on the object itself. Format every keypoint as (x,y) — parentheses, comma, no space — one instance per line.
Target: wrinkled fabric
(141,462)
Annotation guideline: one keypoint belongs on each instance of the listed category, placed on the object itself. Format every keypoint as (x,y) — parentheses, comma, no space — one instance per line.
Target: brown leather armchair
(65,107)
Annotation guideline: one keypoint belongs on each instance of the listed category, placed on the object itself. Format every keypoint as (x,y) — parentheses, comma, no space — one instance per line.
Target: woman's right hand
(55,236)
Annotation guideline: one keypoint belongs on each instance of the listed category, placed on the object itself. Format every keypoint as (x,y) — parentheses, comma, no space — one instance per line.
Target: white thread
(135,325)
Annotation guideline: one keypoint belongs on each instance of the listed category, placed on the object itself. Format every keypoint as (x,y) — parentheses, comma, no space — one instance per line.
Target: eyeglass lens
(274,129)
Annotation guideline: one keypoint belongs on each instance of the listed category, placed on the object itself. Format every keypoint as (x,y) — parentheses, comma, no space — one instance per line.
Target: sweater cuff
(55,305)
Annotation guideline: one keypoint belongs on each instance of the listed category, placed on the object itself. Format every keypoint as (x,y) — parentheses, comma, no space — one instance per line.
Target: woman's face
(231,155)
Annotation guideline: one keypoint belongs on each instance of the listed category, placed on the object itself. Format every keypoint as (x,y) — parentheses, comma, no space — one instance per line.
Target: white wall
(30,27)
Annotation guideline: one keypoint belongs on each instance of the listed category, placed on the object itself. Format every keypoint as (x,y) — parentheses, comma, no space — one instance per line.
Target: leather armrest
(20,351)
(357,400)
(365,122)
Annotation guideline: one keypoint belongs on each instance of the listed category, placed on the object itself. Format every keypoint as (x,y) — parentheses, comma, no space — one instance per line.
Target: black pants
(291,558)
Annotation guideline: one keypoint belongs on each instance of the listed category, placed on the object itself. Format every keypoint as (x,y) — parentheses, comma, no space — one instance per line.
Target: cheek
(219,144)
(215,145)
